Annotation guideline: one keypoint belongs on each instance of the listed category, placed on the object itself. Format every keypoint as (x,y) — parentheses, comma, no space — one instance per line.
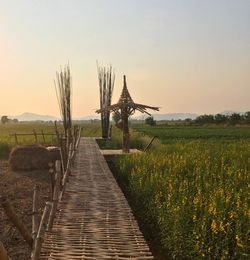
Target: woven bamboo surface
(94,220)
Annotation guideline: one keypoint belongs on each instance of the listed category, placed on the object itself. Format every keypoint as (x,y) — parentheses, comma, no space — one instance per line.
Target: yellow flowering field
(194,195)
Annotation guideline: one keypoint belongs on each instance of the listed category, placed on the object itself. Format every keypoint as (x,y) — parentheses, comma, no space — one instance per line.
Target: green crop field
(191,191)
(172,133)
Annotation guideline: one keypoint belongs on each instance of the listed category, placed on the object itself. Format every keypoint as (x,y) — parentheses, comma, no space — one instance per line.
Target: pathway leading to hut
(94,220)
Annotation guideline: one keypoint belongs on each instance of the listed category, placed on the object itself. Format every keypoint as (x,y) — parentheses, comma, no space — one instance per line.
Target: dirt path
(18,187)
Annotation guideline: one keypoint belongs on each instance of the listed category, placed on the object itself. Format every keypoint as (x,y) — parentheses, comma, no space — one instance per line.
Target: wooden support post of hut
(125,107)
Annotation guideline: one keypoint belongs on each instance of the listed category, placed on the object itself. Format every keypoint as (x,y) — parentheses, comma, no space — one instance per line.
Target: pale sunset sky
(182,55)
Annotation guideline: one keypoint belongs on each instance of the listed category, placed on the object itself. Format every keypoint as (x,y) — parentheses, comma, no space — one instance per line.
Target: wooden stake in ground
(35,213)
(10,212)
(41,231)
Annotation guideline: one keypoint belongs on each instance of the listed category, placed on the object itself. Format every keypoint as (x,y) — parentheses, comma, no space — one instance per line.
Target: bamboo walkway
(94,220)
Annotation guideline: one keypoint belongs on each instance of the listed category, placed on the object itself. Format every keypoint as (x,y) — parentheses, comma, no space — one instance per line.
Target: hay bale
(54,153)
(29,157)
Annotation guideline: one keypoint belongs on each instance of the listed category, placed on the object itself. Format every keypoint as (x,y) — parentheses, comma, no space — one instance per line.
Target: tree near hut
(4,119)
(247,117)
(150,121)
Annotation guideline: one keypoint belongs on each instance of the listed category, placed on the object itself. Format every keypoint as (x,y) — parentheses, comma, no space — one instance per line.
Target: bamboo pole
(16,139)
(35,135)
(10,212)
(43,137)
(52,177)
(55,195)
(41,230)
(35,213)
(149,144)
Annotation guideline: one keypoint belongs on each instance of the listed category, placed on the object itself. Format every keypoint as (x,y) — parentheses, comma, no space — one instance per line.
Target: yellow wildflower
(214,227)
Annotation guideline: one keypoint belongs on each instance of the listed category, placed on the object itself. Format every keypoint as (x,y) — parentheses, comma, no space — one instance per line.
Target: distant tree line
(232,119)
(5,120)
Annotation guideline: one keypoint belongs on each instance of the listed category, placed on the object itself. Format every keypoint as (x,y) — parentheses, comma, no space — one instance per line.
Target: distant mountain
(34,117)
(168,116)
(171,116)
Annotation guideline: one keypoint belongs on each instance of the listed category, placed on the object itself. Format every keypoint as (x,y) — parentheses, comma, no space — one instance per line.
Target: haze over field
(184,56)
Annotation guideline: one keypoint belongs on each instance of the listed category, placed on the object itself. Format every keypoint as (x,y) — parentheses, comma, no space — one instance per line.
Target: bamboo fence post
(41,230)
(3,253)
(44,142)
(10,212)
(16,139)
(64,152)
(35,135)
(55,196)
(52,177)
(62,164)
(35,213)
(65,177)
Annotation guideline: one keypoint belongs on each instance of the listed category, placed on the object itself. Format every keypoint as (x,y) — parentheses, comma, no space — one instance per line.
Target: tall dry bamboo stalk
(63,92)
(106,77)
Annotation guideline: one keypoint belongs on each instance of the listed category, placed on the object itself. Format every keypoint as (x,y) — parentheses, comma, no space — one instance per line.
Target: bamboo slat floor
(94,220)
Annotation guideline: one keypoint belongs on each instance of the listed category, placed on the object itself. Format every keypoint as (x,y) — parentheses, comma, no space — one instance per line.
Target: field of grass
(192,191)
(172,133)
(7,142)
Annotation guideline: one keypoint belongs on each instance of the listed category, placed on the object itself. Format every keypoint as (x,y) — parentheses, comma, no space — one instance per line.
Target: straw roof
(125,102)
